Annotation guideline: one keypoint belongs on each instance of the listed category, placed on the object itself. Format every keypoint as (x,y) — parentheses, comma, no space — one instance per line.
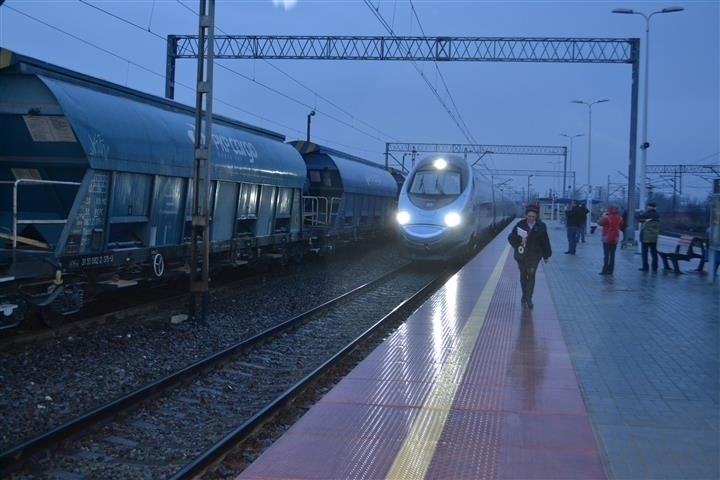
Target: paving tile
(645,351)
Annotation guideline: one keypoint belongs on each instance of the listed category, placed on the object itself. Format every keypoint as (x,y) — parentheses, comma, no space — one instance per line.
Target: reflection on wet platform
(473,386)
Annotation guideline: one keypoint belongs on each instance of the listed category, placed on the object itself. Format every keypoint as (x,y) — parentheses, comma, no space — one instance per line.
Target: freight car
(346,198)
(96,186)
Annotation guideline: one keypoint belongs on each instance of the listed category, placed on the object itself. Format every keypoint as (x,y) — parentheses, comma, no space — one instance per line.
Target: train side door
(166,211)
(223,218)
(247,209)
(266,211)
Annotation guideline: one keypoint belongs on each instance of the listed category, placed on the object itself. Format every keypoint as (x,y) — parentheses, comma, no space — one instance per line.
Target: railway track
(49,379)
(121,306)
(182,423)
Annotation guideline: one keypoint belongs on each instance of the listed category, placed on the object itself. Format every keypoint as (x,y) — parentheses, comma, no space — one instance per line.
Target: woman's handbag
(519,252)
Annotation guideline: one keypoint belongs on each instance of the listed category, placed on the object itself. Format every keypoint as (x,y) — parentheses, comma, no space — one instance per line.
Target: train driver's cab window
(433,182)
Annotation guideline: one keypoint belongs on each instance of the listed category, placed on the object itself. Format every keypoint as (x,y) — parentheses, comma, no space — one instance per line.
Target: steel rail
(46,440)
(213,454)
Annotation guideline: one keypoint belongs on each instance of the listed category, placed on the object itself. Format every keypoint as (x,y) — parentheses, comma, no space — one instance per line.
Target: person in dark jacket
(574,218)
(611,223)
(649,236)
(529,239)
(582,218)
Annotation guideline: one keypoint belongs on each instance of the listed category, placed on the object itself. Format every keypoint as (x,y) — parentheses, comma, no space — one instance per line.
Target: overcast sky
(363,104)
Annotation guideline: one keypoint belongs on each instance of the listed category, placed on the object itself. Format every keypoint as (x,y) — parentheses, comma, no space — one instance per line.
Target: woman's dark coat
(538,242)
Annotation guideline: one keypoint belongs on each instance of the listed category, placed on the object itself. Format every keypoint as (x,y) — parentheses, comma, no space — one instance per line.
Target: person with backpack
(611,223)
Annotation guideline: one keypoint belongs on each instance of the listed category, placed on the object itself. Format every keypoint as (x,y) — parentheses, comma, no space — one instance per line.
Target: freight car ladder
(8,308)
(320,211)
(28,182)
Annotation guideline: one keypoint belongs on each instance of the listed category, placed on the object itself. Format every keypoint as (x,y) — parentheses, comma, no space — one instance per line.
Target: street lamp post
(571,156)
(309,116)
(645,144)
(589,155)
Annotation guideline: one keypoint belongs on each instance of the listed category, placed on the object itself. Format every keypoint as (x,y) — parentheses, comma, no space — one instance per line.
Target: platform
(607,377)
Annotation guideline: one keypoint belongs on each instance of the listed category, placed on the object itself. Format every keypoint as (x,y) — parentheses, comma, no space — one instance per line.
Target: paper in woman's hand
(523,233)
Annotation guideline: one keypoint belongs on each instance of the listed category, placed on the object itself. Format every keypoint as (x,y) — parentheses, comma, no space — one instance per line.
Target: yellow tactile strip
(417,451)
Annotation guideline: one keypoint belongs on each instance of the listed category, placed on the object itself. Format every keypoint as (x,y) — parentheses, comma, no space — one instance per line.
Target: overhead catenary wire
(466,130)
(454,115)
(147,29)
(318,95)
(131,62)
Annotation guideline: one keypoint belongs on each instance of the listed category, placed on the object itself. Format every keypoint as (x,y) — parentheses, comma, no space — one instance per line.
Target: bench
(688,242)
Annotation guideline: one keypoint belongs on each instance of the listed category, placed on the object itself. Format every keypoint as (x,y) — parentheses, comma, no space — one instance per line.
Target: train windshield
(434,182)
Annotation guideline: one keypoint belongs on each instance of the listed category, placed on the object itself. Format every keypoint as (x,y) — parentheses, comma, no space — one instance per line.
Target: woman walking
(611,223)
(529,239)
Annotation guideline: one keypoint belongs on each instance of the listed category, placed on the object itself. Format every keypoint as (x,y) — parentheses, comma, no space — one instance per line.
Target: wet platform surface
(644,346)
(608,377)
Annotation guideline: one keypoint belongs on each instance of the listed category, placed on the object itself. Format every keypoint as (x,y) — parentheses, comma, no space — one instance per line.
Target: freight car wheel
(70,300)
(50,318)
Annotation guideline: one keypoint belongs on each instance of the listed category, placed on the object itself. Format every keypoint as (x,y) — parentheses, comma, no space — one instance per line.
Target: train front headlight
(452,219)
(402,217)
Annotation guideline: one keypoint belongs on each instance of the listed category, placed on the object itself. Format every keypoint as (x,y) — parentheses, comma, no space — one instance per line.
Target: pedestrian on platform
(582,214)
(710,255)
(530,241)
(612,224)
(573,222)
(649,236)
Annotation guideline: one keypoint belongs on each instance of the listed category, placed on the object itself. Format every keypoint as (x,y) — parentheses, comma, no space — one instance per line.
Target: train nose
(424,233)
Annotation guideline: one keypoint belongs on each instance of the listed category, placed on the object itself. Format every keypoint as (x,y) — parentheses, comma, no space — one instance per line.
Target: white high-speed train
(446,208)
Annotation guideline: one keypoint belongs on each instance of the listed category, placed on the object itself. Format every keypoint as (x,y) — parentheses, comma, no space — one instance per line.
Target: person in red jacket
(611,223)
